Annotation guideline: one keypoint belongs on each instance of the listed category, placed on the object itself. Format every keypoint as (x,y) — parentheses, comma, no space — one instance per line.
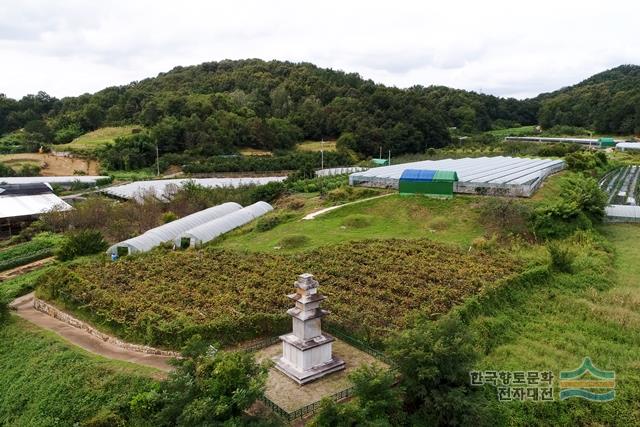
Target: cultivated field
(92,141)
(317,146)
(228,296)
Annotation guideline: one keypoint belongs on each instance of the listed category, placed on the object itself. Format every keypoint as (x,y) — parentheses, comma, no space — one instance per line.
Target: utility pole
(321,165)
(389,158)
(157,161)
(380,152)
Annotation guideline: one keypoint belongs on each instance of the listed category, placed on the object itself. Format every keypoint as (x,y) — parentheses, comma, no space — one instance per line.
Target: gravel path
(312,215)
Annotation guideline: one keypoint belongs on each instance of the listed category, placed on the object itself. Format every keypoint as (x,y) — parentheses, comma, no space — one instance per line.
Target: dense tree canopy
(216,107)
(607,102)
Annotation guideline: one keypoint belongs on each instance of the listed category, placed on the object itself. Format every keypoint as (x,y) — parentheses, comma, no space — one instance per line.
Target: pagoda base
(316,372)
(306,360)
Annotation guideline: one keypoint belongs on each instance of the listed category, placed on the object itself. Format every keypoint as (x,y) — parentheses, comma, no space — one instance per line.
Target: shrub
(167,217)
(294,241)
(208,387)
(83,242)
(268,192)
(357,221)
(434,359)
(270,222)
(485,245)
(348,194)
(561,257)
(505,216)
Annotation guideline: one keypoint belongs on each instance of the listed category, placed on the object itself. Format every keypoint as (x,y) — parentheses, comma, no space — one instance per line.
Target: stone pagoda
(307,352)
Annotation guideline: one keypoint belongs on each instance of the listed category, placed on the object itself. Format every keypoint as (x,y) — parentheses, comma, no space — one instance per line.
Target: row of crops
(163,298)
(41,246)
(621,185)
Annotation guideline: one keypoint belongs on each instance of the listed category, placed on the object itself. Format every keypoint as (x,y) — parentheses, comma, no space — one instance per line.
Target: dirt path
(10,274)
(52,165)
(312,215)
(24,308)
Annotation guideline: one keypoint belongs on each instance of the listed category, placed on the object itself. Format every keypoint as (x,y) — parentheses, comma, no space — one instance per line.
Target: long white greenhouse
(168,232)
(508,176)
(212,229)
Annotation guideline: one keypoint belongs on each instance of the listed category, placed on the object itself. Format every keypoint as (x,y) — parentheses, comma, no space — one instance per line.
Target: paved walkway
(24,308)
(312,215)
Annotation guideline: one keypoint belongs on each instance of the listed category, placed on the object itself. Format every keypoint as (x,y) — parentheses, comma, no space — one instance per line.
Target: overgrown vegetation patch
(164,298)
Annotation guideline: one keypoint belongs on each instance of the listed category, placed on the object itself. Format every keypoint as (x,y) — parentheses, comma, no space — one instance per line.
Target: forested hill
(216,107)
(608,102)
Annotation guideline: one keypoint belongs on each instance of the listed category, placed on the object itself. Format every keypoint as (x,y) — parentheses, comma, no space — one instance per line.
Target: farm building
(628,146)
(212,229)
(51,180)
(428,182)
(509,176)
(162,188)
(168,232)
(21,204)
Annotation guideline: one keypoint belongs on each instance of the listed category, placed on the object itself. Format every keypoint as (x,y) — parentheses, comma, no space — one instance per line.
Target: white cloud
(508,48)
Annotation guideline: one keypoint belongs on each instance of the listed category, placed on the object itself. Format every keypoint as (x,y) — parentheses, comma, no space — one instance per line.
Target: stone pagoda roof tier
(306,299)
(307,315)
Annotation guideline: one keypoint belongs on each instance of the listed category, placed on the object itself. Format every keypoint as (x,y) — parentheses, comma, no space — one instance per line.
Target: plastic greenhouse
(507,176)
(212,229)
(168,232)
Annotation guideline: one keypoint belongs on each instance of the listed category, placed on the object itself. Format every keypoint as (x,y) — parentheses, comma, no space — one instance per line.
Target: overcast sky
(513,48)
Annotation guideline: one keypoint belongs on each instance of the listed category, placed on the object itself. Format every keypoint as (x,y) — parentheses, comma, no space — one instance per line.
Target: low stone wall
(52,311)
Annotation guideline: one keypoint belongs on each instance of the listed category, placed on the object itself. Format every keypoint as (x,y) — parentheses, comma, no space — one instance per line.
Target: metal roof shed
(437,183)
(212,229)
(168,232)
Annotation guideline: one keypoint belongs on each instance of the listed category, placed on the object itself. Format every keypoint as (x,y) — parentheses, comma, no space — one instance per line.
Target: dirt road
(24,308)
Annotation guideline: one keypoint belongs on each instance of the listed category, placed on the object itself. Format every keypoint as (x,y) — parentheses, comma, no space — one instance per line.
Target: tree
(83,242)
(377,401)
(91,117)
(434,359)
(207,388)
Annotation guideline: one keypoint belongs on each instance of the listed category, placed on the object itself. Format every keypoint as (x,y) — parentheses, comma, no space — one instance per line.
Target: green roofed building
(380,162)
(438,183)
(607,142)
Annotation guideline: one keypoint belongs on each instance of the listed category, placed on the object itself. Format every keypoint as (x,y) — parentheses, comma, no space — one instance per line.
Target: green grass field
(553,325)
(97,139)
(316,146)
(394,216)
(47,382)
(519,131)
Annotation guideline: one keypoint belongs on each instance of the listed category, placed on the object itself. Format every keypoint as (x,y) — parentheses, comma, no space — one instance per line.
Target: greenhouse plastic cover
(623,213)
(52,179)
(628,146)
(162,188)
(15,206)
(212,229)
(168,232)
